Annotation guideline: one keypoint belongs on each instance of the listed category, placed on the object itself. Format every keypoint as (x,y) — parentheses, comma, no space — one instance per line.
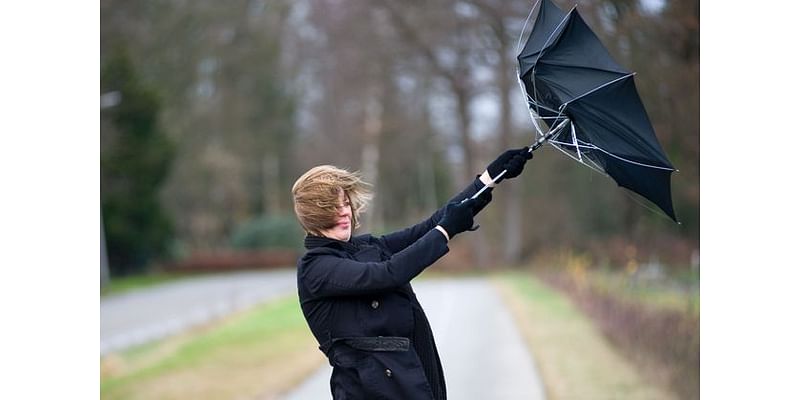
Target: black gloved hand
(482,200)
(458,217)
(511,160)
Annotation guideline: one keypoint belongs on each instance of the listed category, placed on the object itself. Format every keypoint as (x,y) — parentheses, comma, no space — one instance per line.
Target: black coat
(357,299)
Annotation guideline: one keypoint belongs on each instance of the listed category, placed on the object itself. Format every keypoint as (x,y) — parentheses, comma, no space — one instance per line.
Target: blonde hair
(316,197)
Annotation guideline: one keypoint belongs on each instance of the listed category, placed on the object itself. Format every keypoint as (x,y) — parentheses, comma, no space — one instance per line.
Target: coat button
(375,305)
(388,373)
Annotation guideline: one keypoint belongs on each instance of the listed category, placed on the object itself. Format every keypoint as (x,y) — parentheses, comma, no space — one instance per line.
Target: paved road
(483,353)
(138,317)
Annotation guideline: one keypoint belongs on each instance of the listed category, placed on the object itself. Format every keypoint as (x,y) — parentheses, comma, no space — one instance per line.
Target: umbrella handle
(548,135)
(486,186)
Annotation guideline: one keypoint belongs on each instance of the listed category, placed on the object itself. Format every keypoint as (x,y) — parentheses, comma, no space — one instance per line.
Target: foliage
(654,322)
(268,232)
(227,102)
(135,160)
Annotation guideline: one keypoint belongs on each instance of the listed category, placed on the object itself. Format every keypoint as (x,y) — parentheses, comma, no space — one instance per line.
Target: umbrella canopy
(591,105)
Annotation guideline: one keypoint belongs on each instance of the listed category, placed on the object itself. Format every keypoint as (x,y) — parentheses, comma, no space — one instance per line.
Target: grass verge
(257,353)
(125,284)
(572,356)
(655,325)
(675,294)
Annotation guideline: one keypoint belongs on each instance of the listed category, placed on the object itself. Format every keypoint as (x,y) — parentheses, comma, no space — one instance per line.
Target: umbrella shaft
(486,186)
(549,135)
(531,148)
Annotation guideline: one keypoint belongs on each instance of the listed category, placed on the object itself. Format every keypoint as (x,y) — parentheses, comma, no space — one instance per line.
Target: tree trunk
(512,235)
(370,152)
(104,270)
(480,250)
(462,103)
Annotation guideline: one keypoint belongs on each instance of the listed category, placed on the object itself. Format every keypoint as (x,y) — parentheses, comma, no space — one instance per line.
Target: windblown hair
(316,197)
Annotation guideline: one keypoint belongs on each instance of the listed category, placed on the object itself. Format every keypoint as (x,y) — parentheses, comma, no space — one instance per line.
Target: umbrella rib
(519,80)
(541,52)
(578,146)
(573,157)
(522,85)
(629,193)
(625,159)
(531,111)
(592,147)
(539,117)
(541,105)
(595,164)
(565,65)
(575,140)
(597,88)
(530,99)
(523,30)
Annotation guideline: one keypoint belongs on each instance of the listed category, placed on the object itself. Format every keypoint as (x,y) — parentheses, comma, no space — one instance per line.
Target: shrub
(268,232)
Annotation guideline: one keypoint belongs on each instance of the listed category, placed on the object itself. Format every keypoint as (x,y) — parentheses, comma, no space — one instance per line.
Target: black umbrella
(590,106)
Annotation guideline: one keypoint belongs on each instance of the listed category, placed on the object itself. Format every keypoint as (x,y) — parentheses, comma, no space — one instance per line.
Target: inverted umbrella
(590,106)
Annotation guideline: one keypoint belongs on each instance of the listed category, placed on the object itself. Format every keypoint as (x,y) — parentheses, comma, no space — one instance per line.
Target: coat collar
(312,241)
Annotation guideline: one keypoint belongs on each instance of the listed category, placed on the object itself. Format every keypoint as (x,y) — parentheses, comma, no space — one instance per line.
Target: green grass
(263,350)
(573,357)
(680,294)
(128,283)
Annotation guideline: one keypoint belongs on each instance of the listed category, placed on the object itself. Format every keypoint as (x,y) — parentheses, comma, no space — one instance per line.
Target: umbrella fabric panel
(545,27)
(579,47)
(567,83)
(615,120)
(576,63)
(544,97)
(653,184)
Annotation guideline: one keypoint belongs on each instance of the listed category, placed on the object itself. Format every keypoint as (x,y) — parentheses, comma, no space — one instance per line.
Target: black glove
(511,160)
(482,200)
(458,217)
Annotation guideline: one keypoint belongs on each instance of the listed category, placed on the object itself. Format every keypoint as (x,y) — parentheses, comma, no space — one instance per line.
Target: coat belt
(376,343)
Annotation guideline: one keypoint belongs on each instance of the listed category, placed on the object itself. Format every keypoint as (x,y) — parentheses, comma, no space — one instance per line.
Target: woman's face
(342,229)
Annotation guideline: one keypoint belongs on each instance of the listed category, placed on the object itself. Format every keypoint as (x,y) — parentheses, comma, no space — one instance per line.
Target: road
(482,351)
(148,314)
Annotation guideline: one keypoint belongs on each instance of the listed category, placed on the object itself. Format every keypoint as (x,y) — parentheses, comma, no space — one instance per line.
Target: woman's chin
(339,233)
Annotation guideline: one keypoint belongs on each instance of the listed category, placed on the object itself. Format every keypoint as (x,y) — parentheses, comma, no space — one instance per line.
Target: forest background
(210,111)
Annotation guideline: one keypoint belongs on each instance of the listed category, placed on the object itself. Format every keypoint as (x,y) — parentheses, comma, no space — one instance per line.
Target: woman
(355,292)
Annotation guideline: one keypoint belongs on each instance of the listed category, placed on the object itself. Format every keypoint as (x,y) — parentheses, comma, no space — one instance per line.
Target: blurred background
(211,110)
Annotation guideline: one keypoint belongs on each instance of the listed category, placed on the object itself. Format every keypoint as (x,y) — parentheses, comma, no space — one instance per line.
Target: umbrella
(585,104)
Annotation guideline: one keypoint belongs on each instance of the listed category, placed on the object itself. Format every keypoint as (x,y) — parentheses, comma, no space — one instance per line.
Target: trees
(226,106)
(418,96)
(135,159)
